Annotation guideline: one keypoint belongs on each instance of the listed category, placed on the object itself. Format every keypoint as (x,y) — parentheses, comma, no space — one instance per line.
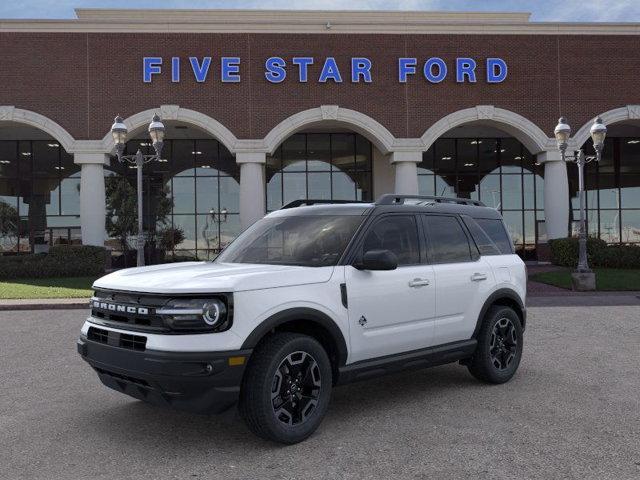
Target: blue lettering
(276,72)
(496,70)
(200,71)
(360,67)
(303,64)
(465,67)
(331,71)
(406,66)
(150,66)
(230,69)
(175,69)
(428,70)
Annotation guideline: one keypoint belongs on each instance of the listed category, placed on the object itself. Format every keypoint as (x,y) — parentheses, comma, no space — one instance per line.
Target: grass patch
(607,279)
(72,287)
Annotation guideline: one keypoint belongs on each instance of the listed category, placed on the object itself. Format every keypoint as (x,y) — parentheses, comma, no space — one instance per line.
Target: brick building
(265,107)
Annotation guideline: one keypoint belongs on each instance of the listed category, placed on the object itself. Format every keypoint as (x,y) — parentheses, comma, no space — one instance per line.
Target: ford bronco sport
(312,296)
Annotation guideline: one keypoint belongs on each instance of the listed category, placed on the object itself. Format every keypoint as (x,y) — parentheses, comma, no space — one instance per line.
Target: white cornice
(307,21)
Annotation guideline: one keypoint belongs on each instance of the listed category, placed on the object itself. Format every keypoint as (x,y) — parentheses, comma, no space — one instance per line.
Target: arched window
(612,188)
(331,166)
(191,198)
(39,195)
(499,172)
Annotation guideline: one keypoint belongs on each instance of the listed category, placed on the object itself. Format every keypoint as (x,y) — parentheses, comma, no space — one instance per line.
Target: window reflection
(39,196)
(612,191)
(499,172)
(187,197)
(330,166)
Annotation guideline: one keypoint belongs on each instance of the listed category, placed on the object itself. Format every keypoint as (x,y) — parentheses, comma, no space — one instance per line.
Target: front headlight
(196,314)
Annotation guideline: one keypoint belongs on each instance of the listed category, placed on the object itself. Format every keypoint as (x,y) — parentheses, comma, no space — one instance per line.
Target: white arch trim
(382,138)
(516,125)
(617,115)
(177,113)
(9,113)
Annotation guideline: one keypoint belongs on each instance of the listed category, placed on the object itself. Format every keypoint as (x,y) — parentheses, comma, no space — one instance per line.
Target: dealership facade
(264,107)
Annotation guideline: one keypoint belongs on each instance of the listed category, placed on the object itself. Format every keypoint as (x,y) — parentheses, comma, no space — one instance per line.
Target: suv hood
(205,277)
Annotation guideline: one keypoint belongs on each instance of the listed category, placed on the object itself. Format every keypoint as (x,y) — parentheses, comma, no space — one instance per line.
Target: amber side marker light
(236,361)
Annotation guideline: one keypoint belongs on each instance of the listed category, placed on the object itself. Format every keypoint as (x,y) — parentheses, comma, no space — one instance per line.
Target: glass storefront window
(328,166)
(499,172)
(612,191)
(39,196)
(194,190)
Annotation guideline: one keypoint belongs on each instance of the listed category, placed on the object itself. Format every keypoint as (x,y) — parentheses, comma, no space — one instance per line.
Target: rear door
(391,311)
(463,278)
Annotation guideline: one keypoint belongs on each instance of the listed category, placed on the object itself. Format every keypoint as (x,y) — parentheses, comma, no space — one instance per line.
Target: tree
(122,210)
(9,223)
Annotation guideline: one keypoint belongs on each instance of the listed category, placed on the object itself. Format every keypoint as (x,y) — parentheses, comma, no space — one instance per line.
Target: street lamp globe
(598,133)
(119,133)
(156,129)
(562,133)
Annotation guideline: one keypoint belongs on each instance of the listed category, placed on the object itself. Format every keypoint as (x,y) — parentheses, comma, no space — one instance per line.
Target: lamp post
(583,277)
(156,132)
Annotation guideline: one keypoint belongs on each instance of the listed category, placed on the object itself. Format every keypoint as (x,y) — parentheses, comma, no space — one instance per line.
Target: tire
(500,344)
(286,389)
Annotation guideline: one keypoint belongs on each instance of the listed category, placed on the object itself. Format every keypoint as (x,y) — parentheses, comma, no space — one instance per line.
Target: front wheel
(286,389)
(499,349)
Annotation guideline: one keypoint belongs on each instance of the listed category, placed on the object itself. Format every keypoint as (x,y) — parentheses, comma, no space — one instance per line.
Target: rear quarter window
(493,228)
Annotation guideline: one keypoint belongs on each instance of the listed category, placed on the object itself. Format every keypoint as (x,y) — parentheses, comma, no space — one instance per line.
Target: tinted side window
(447,240)
(494,228)
(484,243)
(398,234)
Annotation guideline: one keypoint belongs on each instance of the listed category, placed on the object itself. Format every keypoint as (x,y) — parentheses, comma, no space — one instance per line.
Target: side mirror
(378,260)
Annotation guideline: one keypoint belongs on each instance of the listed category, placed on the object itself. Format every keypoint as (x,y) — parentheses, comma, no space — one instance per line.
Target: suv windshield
(310,241)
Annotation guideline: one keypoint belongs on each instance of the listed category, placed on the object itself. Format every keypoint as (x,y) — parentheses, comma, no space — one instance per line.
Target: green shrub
(620,256)
(564,252)
(61,261)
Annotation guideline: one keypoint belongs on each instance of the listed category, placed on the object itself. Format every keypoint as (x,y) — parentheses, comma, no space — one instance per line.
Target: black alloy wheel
(286,388)
(500,344)
(296,388)
(504,343)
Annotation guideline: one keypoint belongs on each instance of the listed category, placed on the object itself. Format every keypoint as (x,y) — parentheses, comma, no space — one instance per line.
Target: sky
(542,10)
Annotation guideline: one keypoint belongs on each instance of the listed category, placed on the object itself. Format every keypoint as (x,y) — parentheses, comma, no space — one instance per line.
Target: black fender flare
(296,314)
(502,293)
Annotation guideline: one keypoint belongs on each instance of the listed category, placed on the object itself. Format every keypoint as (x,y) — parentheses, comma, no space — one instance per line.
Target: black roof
(392,203)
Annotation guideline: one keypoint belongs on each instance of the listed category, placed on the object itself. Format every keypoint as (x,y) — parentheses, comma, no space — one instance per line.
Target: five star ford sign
(361,69)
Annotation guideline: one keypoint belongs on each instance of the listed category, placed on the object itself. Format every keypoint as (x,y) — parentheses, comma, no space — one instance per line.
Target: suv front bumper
(200,382)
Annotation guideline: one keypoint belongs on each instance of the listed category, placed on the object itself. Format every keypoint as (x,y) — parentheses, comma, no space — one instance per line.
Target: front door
(391,311)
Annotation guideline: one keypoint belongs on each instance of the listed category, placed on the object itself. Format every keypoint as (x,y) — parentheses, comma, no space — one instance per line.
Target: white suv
(309,297)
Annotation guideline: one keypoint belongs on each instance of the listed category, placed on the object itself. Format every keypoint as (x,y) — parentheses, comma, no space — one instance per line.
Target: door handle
(477,277)
(418,282)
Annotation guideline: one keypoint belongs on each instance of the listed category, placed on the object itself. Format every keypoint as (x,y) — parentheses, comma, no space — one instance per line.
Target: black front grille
(134,342)
(117,339)
(135,311)
(98,335)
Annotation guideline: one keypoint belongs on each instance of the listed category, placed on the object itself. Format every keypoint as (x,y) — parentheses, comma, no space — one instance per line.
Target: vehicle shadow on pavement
(135,421)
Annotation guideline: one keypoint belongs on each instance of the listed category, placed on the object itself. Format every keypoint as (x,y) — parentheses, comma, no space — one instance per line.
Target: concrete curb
(45,304)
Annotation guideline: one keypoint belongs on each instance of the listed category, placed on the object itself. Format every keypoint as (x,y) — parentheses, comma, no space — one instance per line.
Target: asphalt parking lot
(572,411)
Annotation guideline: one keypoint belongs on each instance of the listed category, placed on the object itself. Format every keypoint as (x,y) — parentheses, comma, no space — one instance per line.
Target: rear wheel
(499,349)
(286,389)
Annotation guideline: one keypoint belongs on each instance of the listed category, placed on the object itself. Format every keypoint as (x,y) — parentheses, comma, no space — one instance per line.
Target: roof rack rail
(309,201)
(393,199)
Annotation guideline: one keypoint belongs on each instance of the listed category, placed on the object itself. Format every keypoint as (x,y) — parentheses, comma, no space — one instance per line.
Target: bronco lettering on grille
(120,308)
